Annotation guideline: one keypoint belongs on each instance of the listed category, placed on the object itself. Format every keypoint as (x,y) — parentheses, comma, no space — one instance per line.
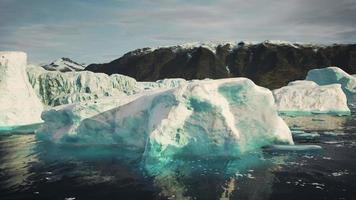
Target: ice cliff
(19,104)
(56,88)
(223,117)
(306,97)
(330,75)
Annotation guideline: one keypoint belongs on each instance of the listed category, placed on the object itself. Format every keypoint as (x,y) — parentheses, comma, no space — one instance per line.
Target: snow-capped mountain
(271,63)
(64,65)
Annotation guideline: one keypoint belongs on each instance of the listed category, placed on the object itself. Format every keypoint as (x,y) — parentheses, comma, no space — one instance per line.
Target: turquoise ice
(226,117)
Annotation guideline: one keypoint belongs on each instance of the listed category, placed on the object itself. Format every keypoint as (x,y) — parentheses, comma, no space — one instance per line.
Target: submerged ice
(204,118)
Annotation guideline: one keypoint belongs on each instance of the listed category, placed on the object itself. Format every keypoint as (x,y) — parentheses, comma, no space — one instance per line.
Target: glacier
(331,75)
(57,88)
(307,97)
(225,117)
(19,104)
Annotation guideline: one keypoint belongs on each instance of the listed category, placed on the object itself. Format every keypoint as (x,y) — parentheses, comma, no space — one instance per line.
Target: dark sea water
(30,169)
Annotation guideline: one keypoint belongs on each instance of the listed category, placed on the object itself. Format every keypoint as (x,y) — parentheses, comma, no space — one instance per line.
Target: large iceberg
(19,104)
(331,75)
(202,118)
(164,83)
(305,97)
(57,88)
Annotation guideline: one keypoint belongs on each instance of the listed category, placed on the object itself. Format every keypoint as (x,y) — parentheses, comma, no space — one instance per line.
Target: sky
(102,30)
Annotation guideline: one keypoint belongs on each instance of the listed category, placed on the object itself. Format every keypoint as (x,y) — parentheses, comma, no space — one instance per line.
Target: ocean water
(31,169)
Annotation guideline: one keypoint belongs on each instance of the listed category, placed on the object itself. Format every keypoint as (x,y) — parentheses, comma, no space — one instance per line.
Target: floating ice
(340,173)
(19,104)
(204,118)
(306,135)
(297,148)
(306,97)
(57,88)
(331,75)
(164,83)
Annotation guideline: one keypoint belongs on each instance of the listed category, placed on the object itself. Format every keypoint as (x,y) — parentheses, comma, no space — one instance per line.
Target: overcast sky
(101,30)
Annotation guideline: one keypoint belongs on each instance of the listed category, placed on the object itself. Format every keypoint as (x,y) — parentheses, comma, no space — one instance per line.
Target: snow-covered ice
(331,75)
(207,117)
(306,97)
(19,104)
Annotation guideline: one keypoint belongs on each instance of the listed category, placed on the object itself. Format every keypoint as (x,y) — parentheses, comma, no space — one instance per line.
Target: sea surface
(31,169)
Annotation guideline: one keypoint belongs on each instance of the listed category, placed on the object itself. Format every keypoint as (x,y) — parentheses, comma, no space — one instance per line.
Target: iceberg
(19,105)
(307,97)
(57,88)
(164,83)
(225,117)
(331,75)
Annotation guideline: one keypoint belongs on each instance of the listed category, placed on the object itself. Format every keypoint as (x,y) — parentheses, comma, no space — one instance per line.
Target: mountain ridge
(270,64)
(64,65)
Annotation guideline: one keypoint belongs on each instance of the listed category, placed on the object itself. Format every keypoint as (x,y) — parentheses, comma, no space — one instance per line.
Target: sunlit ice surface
(31,169)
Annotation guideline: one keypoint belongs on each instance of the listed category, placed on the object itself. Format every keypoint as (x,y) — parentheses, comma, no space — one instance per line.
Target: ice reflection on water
(30,169)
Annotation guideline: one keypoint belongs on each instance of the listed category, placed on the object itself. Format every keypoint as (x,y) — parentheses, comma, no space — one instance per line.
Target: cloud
(92,30)
(300,20)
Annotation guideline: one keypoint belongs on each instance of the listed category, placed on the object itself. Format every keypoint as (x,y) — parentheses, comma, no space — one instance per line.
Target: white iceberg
(306,97)
(57,88)
(204,118)
(19,105)
(164,83)
(331,75)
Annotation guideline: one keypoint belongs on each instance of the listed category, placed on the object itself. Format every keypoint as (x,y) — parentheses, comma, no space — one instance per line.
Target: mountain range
(271,64)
